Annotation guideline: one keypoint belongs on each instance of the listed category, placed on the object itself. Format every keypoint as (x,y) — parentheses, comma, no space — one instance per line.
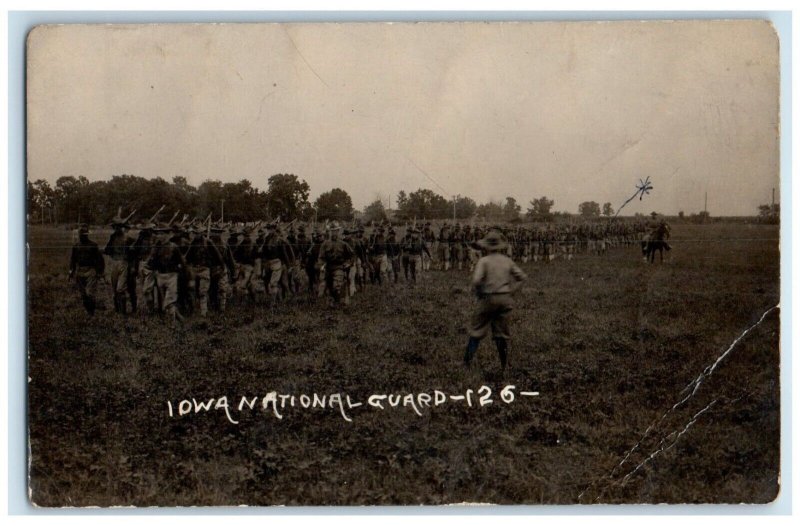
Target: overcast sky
(573,111)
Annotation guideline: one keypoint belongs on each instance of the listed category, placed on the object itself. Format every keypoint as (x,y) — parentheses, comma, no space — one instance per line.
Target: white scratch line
(708,371)
(661,448)
(529,393)
(696,383)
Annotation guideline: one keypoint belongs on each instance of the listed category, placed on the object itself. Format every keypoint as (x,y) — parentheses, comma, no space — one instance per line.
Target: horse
(656,241)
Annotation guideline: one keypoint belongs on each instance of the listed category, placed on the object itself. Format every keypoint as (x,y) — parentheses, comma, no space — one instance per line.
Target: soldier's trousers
(149,288)
(313,273)
(245,279)
(337,282)
(395,265)
(259,274)
(426,258)
(219,279)
(273,276)
(444,255)
(118,272)
(353,274)
(380,267)
(168,290)
(86,281)
(414,264)
(457,256)
(199,283)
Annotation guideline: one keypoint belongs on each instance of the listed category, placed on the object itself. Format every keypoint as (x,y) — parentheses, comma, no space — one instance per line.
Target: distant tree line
(75,199)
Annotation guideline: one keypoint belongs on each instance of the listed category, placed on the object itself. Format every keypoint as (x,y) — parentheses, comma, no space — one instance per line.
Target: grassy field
(608,342)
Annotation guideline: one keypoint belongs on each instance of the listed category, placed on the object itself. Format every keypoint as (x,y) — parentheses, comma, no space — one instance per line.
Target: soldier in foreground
(167,261)
(413,247)
(495,278)
(86,266)
(117,249)
(338,257)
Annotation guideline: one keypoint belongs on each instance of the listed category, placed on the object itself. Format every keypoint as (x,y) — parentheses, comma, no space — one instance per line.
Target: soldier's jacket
(118,246)
(414,247)
(312,255)
(245,252)
(86,254)
(392,247)
(336,253)
(167,257)
(225,251)
(377,245)
(204,253)
(359,247)
(276,248)
(301,247)
(142,248)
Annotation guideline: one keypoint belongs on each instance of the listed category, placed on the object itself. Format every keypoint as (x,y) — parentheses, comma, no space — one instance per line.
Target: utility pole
(454,209)
(222,212)
(773,198)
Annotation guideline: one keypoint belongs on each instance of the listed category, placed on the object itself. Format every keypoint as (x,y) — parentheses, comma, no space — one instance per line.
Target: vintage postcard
(401,264)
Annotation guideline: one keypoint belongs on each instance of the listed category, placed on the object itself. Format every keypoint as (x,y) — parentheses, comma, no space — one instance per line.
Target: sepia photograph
(411,263)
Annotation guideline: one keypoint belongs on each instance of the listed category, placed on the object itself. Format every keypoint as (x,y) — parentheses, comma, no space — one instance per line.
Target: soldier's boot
(502,351)
(472,348)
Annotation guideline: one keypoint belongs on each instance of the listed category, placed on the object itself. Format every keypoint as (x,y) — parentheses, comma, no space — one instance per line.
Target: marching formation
(182,269)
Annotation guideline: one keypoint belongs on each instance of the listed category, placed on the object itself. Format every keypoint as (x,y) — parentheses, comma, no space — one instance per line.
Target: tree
(423,203)
(464,207)
(608,210)
(540,209)
(511,209)
(334,205)
(287,196)
(490,211)
(375,211)
(589,209)
(68,202)
(770,214)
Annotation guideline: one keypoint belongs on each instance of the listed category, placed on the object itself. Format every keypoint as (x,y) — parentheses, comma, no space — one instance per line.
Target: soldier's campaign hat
(83,228)
(118,220)
(493,241)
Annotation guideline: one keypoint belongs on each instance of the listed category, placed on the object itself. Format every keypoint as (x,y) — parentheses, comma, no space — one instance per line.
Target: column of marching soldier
(180,269)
